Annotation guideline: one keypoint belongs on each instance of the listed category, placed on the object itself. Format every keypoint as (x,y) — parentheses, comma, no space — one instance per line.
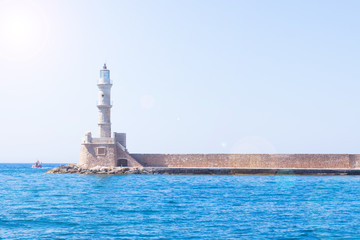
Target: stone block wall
(121,138)
(306,161)
(89,157)
(120,154)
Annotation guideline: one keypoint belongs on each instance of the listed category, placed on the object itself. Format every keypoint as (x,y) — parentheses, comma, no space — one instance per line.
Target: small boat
(37,164)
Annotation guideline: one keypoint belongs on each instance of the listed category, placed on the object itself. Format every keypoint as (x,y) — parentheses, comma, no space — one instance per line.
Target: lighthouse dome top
(104,67)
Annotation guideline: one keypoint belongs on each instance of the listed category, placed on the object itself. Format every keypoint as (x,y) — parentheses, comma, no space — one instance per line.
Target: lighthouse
(108,149)
(104,103)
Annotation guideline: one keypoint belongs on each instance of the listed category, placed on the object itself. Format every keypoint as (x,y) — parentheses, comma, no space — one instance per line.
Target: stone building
(108,150)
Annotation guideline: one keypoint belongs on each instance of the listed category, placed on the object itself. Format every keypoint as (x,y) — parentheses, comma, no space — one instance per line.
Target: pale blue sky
(189,76)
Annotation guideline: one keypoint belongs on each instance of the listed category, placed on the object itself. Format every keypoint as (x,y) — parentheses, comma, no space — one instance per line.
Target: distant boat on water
(37,164)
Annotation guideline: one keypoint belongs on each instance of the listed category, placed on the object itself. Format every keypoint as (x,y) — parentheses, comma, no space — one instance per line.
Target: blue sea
(36,205)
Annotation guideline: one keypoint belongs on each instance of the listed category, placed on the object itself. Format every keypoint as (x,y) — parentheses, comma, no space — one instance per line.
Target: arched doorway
(122,162)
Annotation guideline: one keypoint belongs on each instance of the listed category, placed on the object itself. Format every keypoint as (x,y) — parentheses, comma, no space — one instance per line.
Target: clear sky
(195,76)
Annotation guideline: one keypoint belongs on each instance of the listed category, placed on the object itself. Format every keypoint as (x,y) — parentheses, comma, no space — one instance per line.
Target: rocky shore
(78,169)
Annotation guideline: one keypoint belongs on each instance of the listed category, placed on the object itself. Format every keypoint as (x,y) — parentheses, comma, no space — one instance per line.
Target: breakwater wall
(78,169)
(251,161)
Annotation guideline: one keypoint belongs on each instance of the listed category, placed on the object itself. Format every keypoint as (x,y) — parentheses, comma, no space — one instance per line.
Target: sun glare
(23,30)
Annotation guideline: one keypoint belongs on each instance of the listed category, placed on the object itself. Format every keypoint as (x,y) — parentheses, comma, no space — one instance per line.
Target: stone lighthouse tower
(104,104)
(106,150)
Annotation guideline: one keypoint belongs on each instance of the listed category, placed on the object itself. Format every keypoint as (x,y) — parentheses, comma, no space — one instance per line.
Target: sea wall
(274,161)
(79,169)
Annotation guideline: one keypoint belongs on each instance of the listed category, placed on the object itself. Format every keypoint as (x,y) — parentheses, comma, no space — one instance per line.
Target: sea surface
(36,205)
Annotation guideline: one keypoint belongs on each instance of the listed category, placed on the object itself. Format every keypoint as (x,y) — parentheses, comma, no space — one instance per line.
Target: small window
(102,95)
(101,151)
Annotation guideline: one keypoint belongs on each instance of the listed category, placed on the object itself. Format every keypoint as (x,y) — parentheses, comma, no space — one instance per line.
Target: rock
(97,168)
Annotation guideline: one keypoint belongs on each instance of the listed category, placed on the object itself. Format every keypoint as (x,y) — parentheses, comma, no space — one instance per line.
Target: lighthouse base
(105,152)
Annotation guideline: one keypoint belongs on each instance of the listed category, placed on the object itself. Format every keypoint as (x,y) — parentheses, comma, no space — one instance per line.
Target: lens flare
(23,30)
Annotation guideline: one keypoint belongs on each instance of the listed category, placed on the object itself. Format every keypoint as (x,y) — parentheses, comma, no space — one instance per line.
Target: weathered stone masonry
(274,161)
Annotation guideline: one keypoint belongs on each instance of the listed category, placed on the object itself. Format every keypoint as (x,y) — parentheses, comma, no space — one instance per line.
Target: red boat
(37,164)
